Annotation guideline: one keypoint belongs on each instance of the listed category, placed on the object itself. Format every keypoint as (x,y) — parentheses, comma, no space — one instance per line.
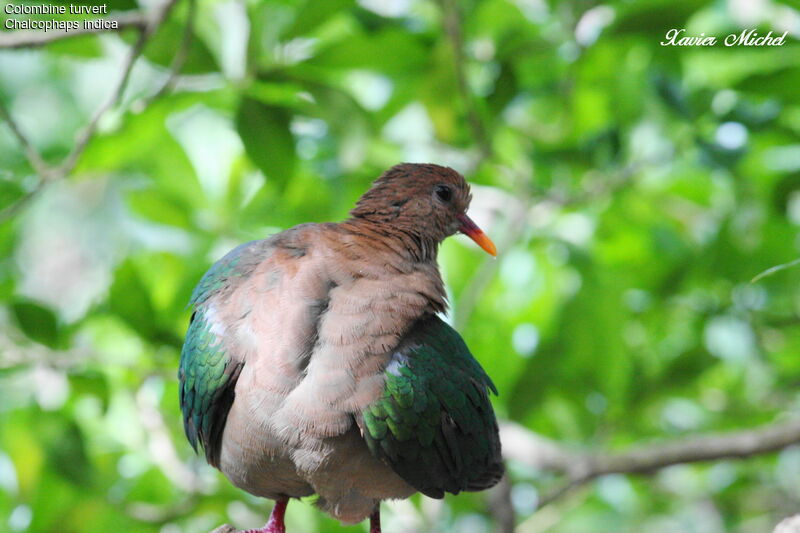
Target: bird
(317,361)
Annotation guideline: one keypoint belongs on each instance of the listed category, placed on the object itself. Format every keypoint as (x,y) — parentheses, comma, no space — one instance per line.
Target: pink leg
(275,523)
(375,521)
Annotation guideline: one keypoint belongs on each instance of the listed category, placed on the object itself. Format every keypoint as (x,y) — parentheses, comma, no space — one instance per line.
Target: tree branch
(531,449)
(39,165)
(790,524)
(34,38)
(501,507)
(453,29)
(34,158)
(88,132)
(733,445)
(180,56)
(49,173)
(582,467)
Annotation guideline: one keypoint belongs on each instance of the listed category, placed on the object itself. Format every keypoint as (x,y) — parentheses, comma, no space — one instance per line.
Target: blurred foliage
(635,191)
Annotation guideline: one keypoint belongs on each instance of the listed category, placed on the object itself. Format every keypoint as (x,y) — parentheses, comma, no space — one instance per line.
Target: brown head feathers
(424,202)
(423,199)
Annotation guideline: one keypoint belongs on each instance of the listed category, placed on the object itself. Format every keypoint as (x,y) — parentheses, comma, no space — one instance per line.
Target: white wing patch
(397,361)
(211,316)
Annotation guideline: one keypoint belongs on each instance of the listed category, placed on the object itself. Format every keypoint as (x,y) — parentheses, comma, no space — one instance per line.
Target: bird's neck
(408,241)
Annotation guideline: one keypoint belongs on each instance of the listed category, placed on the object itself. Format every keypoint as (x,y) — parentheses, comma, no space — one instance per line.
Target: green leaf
(159,206)
(267,140)
(66,451)
(92,383)
(391,51)
(277,94)
(86,46)
(653,19)
(313,14)
(130,300)
(10,193)
(162,47)
(37,322)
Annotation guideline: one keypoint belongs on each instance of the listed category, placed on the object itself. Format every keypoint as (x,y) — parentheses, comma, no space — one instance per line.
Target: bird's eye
(444,193)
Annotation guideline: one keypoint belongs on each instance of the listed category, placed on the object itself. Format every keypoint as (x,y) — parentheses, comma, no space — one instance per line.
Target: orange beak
(471,230)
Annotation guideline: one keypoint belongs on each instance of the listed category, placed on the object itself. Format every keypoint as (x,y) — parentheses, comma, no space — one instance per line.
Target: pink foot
(375,521)
(275,523)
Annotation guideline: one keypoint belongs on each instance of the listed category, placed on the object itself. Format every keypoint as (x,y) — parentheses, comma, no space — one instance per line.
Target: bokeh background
(634,192)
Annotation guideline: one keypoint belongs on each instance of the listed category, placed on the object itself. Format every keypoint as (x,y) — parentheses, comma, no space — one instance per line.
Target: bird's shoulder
(289,249)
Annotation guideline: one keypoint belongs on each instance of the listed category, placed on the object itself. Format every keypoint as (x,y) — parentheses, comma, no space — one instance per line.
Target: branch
(582,467)
(788,525)
(34,38)
(501,507)
(733,445)
(180,56)
(453,28)
(770,271)
(48,173)
(531,449)
(226,528)
(88,132)
(33,156)
(36,161)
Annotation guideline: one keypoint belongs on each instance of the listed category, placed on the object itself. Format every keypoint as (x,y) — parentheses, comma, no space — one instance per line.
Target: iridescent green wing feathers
(207,377)
(207,373)
(434,424)
(224,273)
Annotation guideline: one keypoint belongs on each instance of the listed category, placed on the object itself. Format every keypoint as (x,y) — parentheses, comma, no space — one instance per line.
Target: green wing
(434,424)
(207,373)
(207,378)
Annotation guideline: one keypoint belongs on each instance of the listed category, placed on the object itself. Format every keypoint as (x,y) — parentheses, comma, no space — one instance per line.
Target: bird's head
(424,199)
